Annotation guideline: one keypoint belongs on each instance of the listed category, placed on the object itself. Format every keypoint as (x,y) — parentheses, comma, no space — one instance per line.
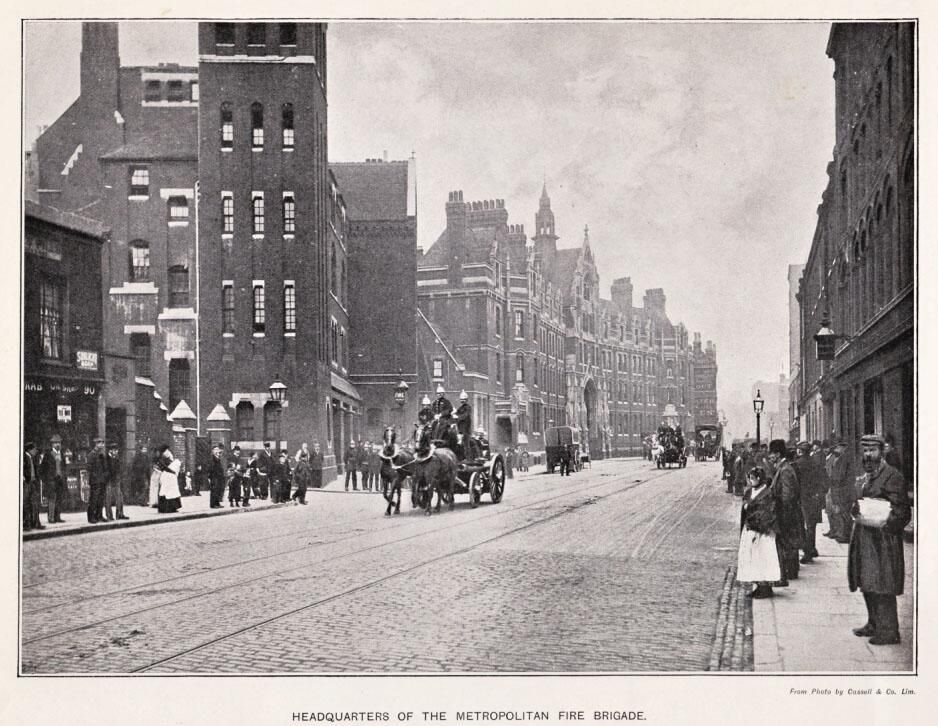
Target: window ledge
(227,335)
(179,223)
(257,149)
(289,236)
(288,148)
(228,149)
(289,335)
(260,335)
(138,197)
(257,236)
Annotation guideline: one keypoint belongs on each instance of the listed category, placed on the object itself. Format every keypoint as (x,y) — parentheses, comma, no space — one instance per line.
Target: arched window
(139,261)
(227,126)
(244,421)
(257,125)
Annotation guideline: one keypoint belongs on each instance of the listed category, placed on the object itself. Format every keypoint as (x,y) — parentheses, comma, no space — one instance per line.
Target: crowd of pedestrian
(784,492)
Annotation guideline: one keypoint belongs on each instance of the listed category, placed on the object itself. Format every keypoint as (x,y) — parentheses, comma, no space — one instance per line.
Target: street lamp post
(757,405)
(278,393)
(400,398)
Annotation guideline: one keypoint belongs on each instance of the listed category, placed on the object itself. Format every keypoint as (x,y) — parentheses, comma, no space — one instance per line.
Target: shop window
(178,286)
(140,350)
(178,382)
(51,318)
(244,421)
(139,261)
(227,126)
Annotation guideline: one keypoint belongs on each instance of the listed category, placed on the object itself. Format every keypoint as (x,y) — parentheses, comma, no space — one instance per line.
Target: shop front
(67,407)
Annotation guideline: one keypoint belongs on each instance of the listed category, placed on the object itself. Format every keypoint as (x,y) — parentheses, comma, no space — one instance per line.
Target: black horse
(433,470)
(394,470)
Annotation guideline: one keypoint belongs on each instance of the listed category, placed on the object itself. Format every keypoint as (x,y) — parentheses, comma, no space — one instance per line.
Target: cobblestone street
(618,568)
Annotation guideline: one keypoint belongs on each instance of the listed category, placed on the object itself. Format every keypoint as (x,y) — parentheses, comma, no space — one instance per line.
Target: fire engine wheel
(475,489)
(497,480)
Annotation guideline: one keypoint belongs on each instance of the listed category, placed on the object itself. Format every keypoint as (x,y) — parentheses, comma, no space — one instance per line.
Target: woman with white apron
(758,560)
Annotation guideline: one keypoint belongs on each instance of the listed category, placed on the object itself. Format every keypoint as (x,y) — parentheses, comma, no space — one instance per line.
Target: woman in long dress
(170,499)
(758,559)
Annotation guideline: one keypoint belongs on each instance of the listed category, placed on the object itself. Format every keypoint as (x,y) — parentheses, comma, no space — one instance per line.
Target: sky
(695,152)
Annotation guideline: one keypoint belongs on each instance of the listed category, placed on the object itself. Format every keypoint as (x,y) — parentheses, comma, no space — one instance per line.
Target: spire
(586,235)
(545,200)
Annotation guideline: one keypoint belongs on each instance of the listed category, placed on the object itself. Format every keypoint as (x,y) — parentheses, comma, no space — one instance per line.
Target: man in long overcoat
(464,425)
(790,519)
(31,494)
(811,499)
(52,473)
(351,466)
(216,478)
(842,494)
(876,558)
(315,467)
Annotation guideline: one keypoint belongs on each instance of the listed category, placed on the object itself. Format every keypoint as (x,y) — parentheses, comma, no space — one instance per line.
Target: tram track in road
(446,525)
(418,566)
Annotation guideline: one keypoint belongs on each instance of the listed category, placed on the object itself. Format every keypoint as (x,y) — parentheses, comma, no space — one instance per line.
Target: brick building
(63,342)
(125,154)
(382,288)
(523,330)
(271,239)
(860,272)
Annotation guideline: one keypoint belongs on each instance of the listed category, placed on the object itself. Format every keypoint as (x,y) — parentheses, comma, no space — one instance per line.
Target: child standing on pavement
(758,559)
(234,485)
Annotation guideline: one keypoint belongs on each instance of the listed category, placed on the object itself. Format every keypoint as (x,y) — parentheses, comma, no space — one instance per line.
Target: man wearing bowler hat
(52,473)
(788,501)
(31,495)
(842,494)
(115,492)
(876,558)
(811,498)
(97,476)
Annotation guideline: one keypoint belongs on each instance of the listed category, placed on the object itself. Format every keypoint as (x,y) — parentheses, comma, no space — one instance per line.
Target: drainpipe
(198,357)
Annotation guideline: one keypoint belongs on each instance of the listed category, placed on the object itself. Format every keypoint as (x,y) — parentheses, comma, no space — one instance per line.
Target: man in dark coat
(842,494)
(315,467)
(442,414)
(464,426)
(788,500)
(302,476)
(52,474)
(351,466)
(216,478)
(265,477)
(140,469)
(374,467)
(115,484)
(97,479)
(876,558)
(811,499)
(31,494)
(286,475)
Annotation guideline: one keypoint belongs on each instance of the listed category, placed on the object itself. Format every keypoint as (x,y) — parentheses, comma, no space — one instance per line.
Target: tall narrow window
(227,213)
(244,421)
(257,34)
(178,286)
(519,323)
(289,214)
(287,33)
(272,412)
(51,319)
(257,126)
(227,308)
(258,206)
(139,261)
(139,181)
(519,369)
(287,123)
(224,33)
(438,368)
(140,350)
(178,209)
(289,308)
(193,90)
(260,312)
(227,126)
(178,382)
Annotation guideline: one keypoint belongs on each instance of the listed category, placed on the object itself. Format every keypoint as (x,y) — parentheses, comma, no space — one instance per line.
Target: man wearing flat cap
(31,495)
(811,498)
(97,479)
(115,490)
(876,558)
(788,500)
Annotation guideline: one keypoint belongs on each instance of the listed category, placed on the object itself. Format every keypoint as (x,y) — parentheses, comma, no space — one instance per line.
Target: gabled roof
(565,264)
(373,190)
(173,144)
(66,220)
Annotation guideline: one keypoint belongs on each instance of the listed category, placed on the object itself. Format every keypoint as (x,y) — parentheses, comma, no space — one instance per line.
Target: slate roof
(67,220)
(373,190)
(174,142)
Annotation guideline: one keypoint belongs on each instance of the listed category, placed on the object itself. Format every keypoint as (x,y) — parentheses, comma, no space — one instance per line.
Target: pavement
(807,626)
